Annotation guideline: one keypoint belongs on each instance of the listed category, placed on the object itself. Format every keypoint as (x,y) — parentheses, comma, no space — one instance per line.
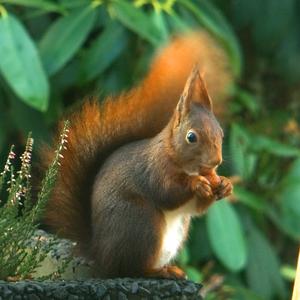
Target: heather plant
(21,251)
(63,50)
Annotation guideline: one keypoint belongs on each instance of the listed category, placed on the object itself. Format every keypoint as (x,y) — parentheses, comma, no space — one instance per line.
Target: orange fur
(97,130)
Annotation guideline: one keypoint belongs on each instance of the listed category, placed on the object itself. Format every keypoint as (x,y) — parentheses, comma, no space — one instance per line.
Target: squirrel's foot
(224,189)
(167,272)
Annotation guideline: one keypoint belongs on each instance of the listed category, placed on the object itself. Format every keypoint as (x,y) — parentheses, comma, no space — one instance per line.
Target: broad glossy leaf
(20,63)
(213,21)
(41,4)
(262,272)
(159,20)
(288,217)
(137,21)
(105,49)
(226,235)
(65,37)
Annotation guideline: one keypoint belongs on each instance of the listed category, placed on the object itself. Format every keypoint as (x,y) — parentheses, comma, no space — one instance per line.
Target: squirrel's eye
(191,137)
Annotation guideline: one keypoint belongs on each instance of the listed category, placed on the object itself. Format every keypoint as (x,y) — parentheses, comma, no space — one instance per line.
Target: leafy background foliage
(52,53)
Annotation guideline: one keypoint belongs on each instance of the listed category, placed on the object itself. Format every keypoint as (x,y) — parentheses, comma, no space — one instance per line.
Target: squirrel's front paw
(224,188)
(202,187)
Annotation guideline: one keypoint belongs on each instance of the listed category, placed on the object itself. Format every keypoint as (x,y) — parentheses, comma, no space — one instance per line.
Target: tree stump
(109,289)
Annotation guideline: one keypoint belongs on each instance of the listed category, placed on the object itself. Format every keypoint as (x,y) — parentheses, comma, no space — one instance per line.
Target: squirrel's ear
(195,91)
(199,92)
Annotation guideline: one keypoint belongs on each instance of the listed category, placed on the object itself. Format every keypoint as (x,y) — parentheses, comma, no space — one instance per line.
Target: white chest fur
(174,232)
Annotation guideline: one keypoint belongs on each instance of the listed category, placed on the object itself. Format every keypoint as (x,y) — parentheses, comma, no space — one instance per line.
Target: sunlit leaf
(159,20)
(226,235)
(288,272)
(20,63)
(136,20)
(193,274)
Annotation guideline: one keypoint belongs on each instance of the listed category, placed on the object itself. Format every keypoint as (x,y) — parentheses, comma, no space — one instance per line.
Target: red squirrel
(139,166)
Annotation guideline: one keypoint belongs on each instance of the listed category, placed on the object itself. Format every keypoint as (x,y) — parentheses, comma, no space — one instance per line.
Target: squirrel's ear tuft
(195,91)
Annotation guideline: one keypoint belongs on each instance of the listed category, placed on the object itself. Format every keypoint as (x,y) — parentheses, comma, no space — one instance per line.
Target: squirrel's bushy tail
(96,130)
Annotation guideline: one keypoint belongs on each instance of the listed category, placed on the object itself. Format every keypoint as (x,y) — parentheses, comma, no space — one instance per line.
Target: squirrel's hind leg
(127,237)
(168,272)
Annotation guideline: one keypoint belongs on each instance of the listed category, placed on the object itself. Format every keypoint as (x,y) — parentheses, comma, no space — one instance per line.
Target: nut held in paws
(214,180)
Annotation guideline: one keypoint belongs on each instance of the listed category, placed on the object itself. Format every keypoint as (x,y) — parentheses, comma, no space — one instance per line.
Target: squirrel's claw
(224,189)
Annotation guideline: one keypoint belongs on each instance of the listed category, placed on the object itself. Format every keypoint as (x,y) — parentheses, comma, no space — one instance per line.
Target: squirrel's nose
(215,162)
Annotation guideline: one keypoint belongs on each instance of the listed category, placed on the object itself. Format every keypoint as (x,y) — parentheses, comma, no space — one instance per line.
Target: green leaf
(183,256)
(243,160)
(290,209)
(287,57)
(137,21)
(242,293)
(263,272)
(176,22)
(264,143)
(248,198)
(226,235)
(288,216)
(73,3)
(288,272)
(293,174)
(65,37)
(213,21)
(198,243)
(41,4)
(159,20)
(105,49)
(248,100)
(193,274)
(27,120)
(20,64)
(272,22)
